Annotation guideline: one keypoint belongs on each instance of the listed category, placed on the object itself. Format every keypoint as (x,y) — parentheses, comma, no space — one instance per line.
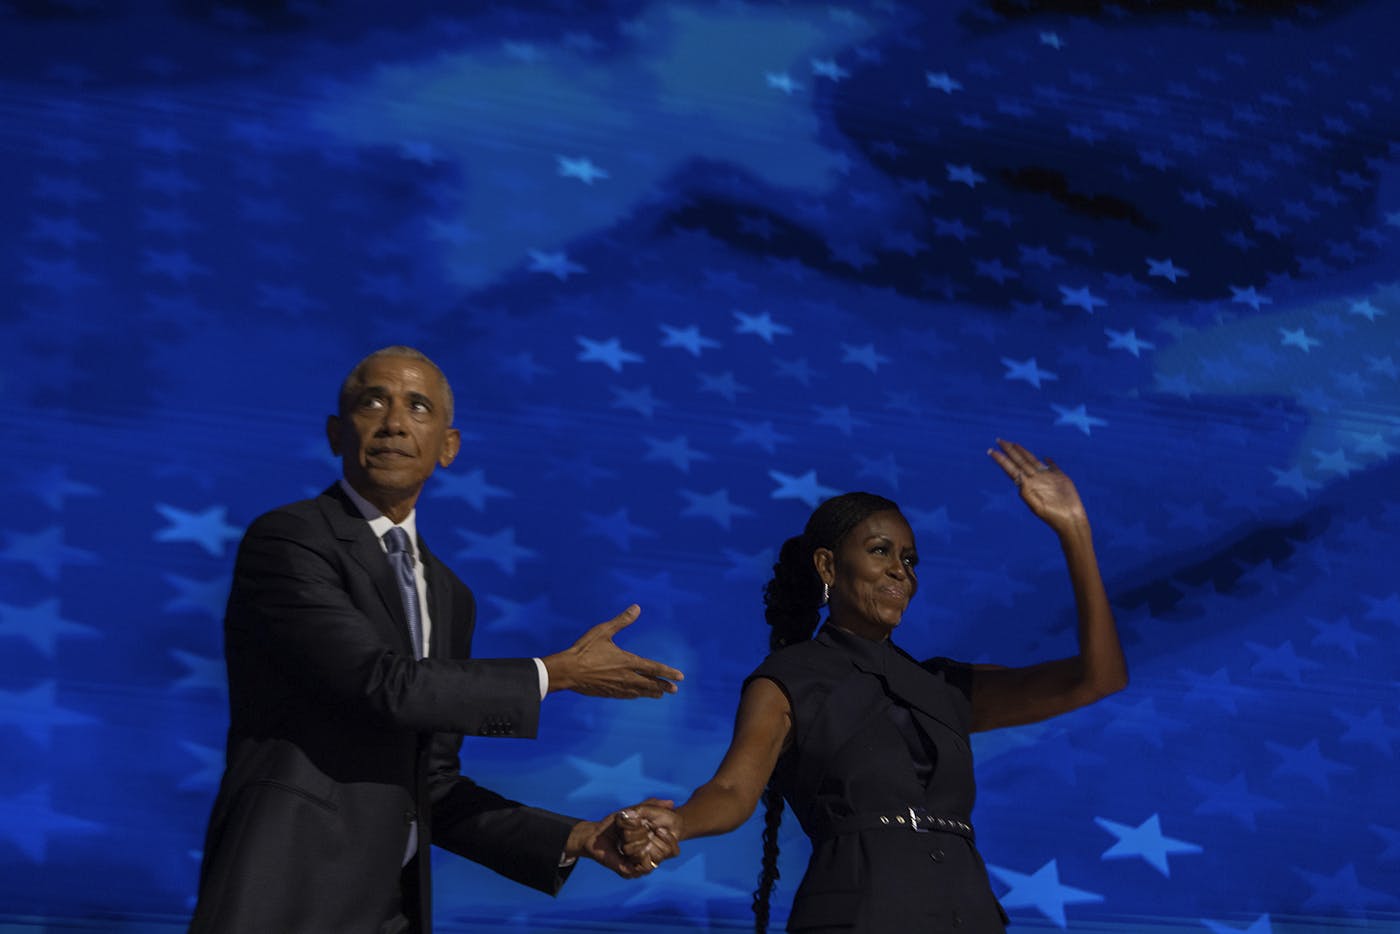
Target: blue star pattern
(692,269)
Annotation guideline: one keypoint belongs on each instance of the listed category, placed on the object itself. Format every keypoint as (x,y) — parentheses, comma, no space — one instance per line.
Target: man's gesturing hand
(594,665)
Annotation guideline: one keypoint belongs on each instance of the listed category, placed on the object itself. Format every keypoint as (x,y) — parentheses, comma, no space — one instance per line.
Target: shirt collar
(379,523)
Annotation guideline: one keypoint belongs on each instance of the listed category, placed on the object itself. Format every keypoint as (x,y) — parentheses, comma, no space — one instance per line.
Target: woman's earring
(826,593)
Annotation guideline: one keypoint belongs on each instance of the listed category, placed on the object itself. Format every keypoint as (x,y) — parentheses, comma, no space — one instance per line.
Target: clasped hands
(631,842)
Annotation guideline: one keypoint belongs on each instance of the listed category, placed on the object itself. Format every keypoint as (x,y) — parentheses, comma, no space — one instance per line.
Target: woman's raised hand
(1044,487)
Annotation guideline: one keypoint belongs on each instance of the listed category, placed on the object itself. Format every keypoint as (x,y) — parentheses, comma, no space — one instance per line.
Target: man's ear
(333,433)
(825,561)
(451,445)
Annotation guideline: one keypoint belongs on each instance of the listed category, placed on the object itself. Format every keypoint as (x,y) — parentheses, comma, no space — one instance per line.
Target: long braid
(792,602)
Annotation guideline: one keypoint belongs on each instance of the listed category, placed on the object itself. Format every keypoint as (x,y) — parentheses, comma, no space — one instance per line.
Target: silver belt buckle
(918,818)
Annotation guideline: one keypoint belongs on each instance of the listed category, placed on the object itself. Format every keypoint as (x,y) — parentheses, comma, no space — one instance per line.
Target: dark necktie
(402,559)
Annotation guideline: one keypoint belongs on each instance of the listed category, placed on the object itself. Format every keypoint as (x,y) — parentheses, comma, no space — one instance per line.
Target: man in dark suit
(351,686)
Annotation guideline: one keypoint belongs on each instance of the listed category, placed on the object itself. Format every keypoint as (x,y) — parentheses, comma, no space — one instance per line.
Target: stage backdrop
(692,267)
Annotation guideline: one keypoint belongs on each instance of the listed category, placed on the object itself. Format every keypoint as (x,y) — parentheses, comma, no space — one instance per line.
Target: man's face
(393,432)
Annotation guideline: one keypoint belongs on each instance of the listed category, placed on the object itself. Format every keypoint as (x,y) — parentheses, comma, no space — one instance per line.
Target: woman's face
(871,575)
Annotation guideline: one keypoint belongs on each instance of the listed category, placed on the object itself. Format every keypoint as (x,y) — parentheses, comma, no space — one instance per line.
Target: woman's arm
(1013,696)
(762,729)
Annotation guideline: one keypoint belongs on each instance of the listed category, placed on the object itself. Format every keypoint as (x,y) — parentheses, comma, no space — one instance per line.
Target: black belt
(915,819)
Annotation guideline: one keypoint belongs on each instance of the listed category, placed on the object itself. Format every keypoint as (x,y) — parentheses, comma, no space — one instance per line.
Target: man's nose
(392,421)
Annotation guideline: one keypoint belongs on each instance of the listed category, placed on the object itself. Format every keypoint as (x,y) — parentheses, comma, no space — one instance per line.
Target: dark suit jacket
(338,739)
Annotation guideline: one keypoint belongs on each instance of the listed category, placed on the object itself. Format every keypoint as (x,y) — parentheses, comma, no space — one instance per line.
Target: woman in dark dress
(870,747)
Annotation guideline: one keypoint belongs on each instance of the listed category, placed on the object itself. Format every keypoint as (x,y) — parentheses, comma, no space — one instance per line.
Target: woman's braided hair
(792,603)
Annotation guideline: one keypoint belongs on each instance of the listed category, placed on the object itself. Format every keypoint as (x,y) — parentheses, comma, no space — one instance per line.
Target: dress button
(957,920)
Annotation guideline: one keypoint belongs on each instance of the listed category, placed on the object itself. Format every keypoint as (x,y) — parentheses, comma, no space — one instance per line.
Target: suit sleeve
(299,601)
(520,842)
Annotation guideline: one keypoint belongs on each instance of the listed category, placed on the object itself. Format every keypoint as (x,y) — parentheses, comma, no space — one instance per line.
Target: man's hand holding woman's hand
(631,842)
(651,832)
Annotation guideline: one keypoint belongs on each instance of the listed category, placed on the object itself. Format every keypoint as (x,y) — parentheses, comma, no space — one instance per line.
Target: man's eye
(911,561)
(879,550)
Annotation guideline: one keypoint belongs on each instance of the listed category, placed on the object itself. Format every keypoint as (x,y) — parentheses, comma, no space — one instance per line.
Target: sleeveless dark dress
(875,734)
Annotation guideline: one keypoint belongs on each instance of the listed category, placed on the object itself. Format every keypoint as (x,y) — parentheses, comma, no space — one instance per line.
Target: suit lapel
(439,603)
(364,549)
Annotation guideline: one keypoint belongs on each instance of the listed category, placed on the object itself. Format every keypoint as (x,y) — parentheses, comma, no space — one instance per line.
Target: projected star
(617,527)
(761,434)
(607,352)
(760,325)
(208,529)
(1027,371)
(1293,479)
(676,451)
(1281,659)
(470,487)
(1307,761)
(882,468)
(641,401)
(804,488)
(581,168)
(1339,634)
(781,81)
(45,551)
(625,781)
(1145,841)
(863,355)
(207,596)
(28,820)
(42,625)
(1365,309)
(1216,688)
(934,522)
(1297,337)
(1383,609)
(1249,296)
(36,713)
(1141,718)
(556,264)
(942,81)
(828,68)
(531,616)
(201,673)
(798,370)
(756,566)
(838,417)
(1127,340)
(714,506)
(1370,729)
(1343,891)
(688,339)
(1166,269)
(499,548)
(1077,417)
(1261,925)
(1391,838)
(53,487)
(1080,298)
(964,175)
(657,593)
(723,385)
(1042,891)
